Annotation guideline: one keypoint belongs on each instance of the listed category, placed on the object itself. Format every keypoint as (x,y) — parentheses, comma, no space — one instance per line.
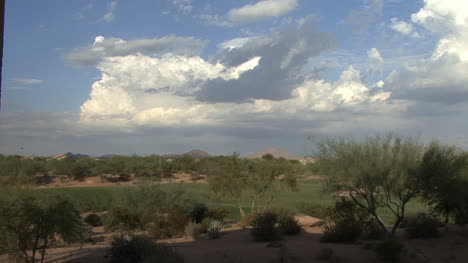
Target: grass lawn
(310,192)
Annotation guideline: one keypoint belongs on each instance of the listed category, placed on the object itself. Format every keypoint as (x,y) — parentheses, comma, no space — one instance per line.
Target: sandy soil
(236,245)
(96,181)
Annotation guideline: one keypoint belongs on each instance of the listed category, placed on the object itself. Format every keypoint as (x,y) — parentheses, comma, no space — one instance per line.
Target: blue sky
(171,75)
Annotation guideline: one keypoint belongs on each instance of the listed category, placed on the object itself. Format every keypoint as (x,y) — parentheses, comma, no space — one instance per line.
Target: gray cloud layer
(112,47)
(283,54)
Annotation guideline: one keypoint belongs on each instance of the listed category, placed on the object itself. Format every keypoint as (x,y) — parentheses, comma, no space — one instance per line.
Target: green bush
(342,232)
(93,220)
(373,231)
(263,227)
(345,222)
(290,226)
(198,212)
(390,250)
(30,220)
(204,225)
(177,220)
(423,226)
(138,208)
(217,213)
(138,249)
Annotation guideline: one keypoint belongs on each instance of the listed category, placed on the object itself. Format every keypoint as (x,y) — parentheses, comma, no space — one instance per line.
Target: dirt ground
(96,181)
(236,245)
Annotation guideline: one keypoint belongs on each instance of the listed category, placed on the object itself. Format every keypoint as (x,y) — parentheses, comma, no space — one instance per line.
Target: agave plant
(214,229)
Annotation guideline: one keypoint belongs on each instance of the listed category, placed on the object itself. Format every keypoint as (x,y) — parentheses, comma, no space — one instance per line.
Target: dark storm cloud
(283,54)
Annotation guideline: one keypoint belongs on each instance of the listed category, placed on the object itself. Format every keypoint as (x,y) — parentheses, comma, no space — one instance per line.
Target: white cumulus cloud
(261,10)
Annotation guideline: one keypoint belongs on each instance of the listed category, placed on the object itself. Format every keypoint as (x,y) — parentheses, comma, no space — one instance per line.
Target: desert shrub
(461,218)
(204,225)
(373,231)
(93,220)
(122,218)
(423,226)
(193,229)
(288,224)
(263,227)
(345,222)
(147,205)
(177,219)
(342,232)
(390,250)
(247,220)
(217,213)
(159,228)
(324,254)
(214,229)
(138,249)
(198,212)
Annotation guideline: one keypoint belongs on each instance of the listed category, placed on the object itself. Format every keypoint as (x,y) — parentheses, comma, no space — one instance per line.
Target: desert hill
(69,155)
(277,153)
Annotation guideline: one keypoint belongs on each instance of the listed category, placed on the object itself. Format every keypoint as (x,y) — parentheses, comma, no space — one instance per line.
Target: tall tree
(445,179)
(380,172)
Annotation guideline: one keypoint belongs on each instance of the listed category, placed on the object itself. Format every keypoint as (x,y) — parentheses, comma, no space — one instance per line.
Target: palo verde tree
(445,180)
(257,182)
(380,172)
(30,220)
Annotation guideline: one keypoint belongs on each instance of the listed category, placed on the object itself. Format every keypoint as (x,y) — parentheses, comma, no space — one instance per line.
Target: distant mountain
(277,153)
(69,155)
(196,154)
(107,156)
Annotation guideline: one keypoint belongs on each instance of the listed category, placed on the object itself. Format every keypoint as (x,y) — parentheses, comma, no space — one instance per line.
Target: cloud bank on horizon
(283,71)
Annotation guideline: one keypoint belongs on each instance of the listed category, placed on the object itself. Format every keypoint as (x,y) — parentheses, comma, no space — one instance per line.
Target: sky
(168,76)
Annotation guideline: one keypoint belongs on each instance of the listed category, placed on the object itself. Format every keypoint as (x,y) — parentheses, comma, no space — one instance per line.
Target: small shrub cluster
(136,249)
(93,220)
(288,224)
(198,212)
(217,213)
(214,229)
(423,226)
(345,223)
(263,227)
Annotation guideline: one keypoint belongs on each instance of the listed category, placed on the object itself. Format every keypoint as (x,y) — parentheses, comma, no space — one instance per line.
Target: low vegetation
(423,226)
(371,187)
(31,221)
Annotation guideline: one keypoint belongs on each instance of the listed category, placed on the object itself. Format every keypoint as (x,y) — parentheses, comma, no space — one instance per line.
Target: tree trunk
(380,222)
(43,251)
